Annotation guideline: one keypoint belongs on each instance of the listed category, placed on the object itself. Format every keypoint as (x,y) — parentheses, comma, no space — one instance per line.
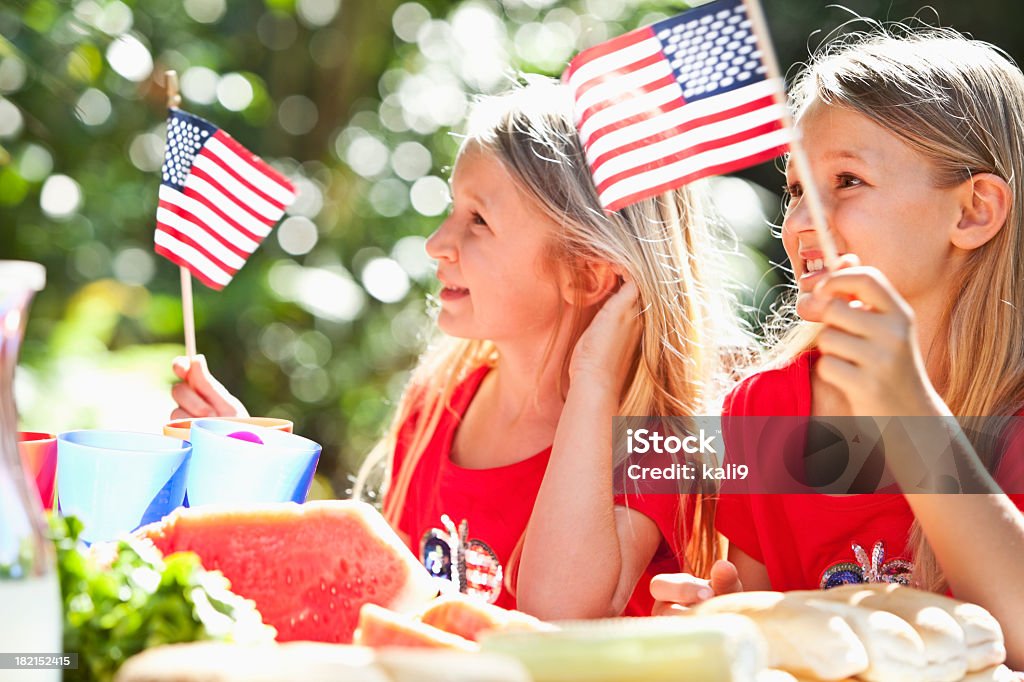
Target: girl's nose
(798,217)
(441,244)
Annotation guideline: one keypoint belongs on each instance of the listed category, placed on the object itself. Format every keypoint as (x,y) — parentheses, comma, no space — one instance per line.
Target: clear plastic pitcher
(30,615)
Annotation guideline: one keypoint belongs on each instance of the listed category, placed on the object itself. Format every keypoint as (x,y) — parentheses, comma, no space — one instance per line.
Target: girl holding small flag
(916,143)
(538,284)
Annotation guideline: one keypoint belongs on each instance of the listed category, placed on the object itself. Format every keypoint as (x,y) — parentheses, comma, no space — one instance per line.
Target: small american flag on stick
(677,101)
(218,200)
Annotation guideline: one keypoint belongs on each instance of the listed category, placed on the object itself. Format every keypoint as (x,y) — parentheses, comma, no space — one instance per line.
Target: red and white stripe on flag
(218,201)
(676,101)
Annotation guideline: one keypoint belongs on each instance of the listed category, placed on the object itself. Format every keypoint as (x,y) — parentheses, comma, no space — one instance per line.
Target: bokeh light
(385,280)
(366,155)
(12,75)
(11,120)
(134,266)
(36,163)
(297,235)
(316,13)
(411,160)
(199,85)
(234,92)
(93,107)
(129,58)
(408,19)
(429,196)
(297,114)
(205,11)
(60,197)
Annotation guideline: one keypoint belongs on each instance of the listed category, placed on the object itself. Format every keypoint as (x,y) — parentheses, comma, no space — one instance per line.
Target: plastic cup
(39,458)
(116,481)
(229,469)
(181,428)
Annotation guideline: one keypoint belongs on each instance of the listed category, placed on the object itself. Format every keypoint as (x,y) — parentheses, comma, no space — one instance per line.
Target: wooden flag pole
(796,150)
(188,314)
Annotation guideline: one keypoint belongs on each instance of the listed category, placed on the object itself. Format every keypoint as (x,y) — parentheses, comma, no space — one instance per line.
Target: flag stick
(796,150)
(188,314)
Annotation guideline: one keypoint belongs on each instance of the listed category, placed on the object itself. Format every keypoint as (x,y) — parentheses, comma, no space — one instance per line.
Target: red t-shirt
(811,541)
(495,505)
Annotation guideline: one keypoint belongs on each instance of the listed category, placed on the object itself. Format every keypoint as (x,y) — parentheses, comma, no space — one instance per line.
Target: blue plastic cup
(116,481)
(229,469)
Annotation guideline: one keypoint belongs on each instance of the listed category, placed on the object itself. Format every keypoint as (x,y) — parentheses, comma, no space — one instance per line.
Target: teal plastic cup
(235,463)
(116,481)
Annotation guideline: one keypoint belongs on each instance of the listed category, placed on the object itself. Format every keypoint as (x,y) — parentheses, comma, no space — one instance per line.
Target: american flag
(217,200)
(676,101)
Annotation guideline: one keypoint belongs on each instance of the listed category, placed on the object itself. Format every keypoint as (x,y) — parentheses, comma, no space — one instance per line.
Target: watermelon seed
(323,586)
(359,581)
(331,605)
(348,586)
(347,603)
(334,590)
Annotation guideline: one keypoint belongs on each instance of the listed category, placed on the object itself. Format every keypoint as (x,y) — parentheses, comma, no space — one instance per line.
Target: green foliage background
(355,100)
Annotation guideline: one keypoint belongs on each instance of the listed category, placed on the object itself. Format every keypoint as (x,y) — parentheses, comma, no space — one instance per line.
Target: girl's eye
(477,219)
(846,180)
(793,191)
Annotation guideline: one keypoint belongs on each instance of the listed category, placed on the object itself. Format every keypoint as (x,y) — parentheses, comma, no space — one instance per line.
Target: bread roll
(997,673)
(802,640)
(895,650)
(775,675)
(982,633)
(945,646)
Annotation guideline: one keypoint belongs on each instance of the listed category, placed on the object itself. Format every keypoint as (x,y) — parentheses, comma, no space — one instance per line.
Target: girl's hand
(604,352)
(675,593)
(199,394)
(869,347)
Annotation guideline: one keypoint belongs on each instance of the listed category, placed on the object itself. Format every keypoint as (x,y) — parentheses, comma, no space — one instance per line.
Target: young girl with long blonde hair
(916,143)
(537,283)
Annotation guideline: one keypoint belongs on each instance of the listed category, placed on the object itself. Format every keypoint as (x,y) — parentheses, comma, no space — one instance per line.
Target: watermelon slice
(309,568)
(380,627)
(468,617)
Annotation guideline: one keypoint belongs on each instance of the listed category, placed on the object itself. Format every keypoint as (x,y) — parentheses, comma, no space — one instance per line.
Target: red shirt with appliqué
(807,541)
(496,503)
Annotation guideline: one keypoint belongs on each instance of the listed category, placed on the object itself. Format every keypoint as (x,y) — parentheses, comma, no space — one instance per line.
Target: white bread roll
(997,673)
(945,646)
(775,675)
(982,633)
(802,640)
(896,651)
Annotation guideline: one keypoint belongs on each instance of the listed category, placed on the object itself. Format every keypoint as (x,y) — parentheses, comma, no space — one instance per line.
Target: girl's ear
(589,282)
(984,209)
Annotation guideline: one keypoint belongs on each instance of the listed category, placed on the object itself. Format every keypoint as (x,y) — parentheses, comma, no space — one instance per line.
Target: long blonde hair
(664,244)
(960,104)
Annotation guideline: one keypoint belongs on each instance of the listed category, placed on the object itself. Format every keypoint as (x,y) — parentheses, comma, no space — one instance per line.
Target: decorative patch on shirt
(471,566)
(873,570)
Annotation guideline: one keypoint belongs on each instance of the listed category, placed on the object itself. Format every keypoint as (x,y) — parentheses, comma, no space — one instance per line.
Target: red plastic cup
(39,457)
